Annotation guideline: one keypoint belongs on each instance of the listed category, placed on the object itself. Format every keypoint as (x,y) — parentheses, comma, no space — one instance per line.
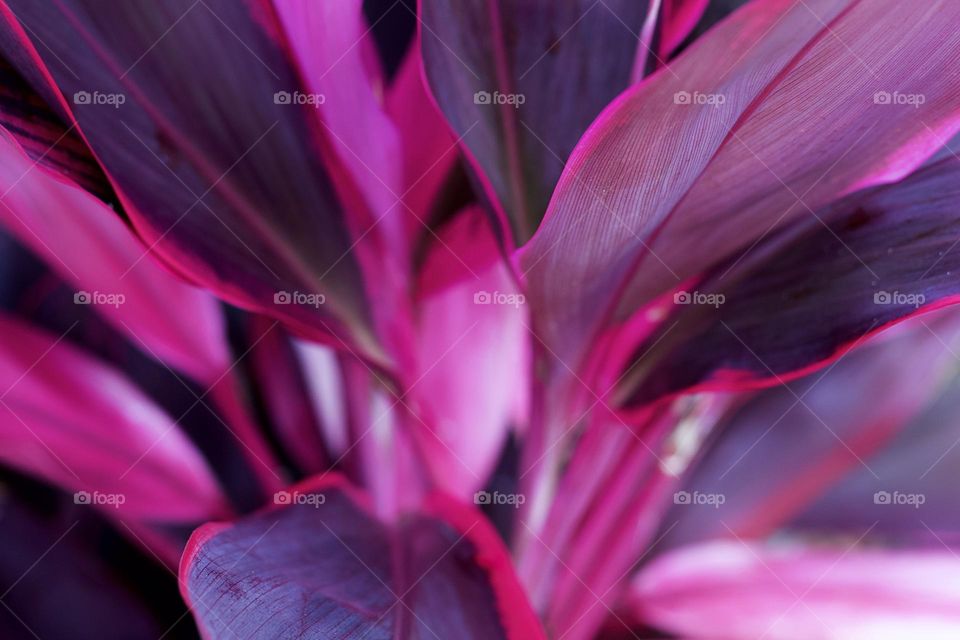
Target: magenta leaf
(520,82)
(881,255)
(84,242)
(481,320)
(799,590)
(217,159)
(80,424)
(678,19)
(323,566)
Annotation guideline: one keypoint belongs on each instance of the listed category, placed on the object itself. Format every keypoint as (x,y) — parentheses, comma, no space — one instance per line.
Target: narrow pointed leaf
(79,424)
(521,81)
(196,114)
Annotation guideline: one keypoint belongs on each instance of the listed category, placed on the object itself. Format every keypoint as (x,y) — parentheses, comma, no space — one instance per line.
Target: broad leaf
(322,566)
(84,242)
(801,300)
(775,112)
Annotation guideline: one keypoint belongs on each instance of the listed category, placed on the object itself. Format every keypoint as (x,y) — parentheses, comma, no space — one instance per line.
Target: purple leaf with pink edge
(81,425)
(481,320)
(808,435)
(795,589)
(691,165)
(83,241)
(320,565)
(520,82)
(43,135)
(219,166)
(881,255)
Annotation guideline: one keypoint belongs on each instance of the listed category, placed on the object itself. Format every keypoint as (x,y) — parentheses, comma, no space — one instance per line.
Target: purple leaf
(881,255)
(43,136)
(520,82)
(324,566)
(804,437)
(216,159)
(776,111)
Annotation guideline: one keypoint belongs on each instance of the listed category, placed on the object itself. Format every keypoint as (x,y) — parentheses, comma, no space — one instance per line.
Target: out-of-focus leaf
(802,438)
(795,591)
(79,424)
(83,241)
(473,357)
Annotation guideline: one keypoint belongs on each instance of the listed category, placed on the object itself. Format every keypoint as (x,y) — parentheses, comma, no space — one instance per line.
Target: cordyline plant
(476,319)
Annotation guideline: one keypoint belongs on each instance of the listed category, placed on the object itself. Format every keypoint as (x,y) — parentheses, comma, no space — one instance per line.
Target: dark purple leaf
(521,81)
(183,104)
(861,264)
